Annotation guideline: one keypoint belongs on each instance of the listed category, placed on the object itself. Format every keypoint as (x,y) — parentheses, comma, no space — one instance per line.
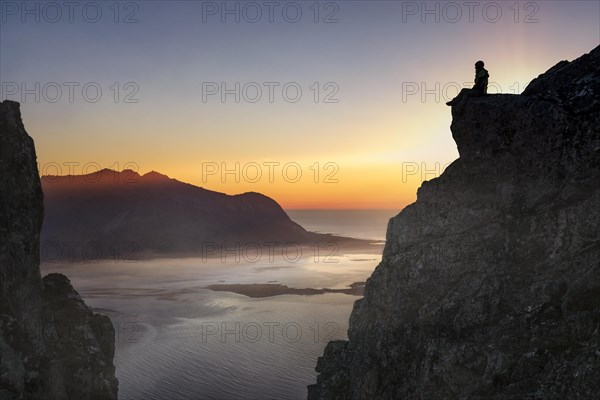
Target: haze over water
(178,340)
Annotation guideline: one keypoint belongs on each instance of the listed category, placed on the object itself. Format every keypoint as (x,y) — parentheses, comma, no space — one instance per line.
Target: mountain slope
(489,284)
(108,212)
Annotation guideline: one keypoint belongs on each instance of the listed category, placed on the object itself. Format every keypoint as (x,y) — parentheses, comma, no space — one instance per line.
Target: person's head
(479,65)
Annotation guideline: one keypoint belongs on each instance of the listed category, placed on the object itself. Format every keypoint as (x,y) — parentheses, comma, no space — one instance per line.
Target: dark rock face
(52,346)
(21,217)
(80,343)
(489,285)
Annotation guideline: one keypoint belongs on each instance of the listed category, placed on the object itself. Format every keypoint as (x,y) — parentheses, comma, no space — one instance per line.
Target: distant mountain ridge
(123,214)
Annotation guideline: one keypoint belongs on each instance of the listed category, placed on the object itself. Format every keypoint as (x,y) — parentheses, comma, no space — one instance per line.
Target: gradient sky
(375,53)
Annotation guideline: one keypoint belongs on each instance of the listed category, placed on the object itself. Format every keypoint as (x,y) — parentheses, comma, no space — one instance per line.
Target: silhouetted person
(480,88)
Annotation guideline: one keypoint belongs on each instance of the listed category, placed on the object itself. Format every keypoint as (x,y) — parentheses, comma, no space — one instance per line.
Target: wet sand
(258,290)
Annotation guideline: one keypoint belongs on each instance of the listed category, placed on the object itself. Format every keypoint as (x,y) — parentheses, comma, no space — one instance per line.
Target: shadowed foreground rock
(52,346)
(489,285)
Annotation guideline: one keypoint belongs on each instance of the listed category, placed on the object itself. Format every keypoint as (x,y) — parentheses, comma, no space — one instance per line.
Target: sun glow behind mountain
(388,72)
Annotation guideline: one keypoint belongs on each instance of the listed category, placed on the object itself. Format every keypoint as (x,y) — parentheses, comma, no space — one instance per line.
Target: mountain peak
(154,176)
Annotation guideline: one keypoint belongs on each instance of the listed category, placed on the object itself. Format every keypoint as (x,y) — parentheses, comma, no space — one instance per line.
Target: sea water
(176,339)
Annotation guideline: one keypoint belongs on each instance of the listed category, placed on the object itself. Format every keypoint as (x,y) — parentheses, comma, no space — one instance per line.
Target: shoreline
(248,251)
(262,290)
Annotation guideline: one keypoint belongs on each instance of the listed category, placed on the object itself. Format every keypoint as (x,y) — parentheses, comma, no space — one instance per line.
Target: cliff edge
(52,346)
(489,284)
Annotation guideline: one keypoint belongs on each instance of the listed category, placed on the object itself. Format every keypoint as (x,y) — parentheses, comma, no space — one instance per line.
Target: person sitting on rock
(480,88)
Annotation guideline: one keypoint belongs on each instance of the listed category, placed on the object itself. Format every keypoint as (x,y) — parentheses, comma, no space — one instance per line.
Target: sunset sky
(371,148)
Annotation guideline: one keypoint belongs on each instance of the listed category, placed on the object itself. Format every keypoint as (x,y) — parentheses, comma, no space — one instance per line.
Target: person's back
(480,87)
(481,79)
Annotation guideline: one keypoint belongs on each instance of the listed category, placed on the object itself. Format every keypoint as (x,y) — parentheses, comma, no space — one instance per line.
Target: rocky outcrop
(52,346)
(489,284)
(21,217)
(80,343)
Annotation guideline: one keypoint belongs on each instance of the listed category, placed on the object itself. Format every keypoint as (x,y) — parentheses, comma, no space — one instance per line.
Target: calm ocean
(178,340)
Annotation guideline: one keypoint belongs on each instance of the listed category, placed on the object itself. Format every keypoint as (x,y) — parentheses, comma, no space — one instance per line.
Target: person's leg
(463,93)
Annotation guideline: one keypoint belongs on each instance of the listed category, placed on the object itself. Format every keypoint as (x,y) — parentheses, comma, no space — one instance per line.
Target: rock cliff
(52,346)
(489,284)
